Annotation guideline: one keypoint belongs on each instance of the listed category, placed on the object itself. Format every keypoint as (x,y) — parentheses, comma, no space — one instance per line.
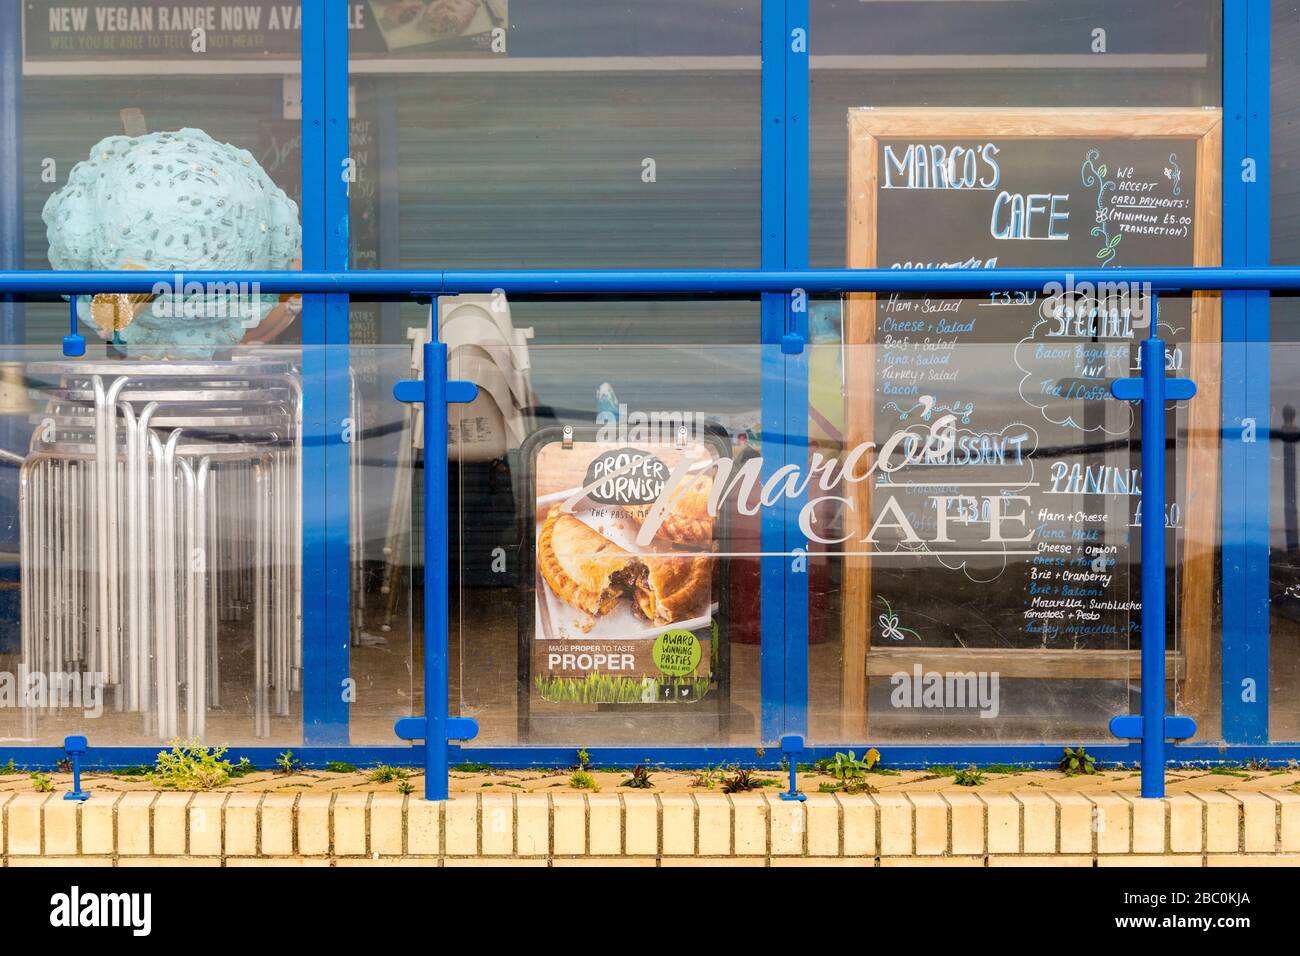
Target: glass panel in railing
(608,585)
(153,558)
(971,556)
(384,528)
(1197,471)
(165,513)
(1284,138)
(1282,362)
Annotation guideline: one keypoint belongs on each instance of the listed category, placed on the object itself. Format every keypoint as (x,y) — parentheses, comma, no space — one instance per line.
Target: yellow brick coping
(344,828)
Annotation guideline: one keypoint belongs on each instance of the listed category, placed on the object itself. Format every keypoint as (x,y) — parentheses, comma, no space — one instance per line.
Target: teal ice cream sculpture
(177,201)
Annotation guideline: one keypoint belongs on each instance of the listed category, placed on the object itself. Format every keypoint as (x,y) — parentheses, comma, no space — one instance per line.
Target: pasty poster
(625,561)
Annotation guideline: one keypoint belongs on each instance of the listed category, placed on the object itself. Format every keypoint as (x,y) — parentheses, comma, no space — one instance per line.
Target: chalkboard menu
(1017,527)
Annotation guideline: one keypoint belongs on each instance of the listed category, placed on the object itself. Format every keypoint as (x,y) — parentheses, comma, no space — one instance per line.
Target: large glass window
(1284,377)
(490,135)
(986,135)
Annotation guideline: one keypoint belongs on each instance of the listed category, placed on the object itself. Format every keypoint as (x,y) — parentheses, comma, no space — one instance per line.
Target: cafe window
(646,486)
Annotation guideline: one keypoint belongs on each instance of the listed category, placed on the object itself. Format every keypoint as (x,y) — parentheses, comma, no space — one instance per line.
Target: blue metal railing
(436,727)
(732,283)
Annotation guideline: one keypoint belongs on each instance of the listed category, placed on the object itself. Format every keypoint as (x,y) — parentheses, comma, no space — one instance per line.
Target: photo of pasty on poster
(628,603)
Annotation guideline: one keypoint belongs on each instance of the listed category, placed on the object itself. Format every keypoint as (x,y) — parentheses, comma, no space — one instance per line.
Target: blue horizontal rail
(703,282)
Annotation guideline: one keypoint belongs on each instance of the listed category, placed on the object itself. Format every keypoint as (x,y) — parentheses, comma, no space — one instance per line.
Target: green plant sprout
(970,777)
(742,780)
(286,765)
(640,779)
(189,765)
(41,782)
(706,778)
(582,780)
(849,771)
(1229,771)
(1078,762)
(844,767)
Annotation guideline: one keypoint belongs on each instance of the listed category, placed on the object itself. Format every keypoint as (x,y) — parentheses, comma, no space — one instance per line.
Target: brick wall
(634,829)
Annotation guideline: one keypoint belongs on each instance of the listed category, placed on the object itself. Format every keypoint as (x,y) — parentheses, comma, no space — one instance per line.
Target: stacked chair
(160,523)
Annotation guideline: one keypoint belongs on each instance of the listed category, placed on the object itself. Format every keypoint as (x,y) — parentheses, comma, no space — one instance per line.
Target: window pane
(985,55)
(593,135)
(1003,134)
(148,145)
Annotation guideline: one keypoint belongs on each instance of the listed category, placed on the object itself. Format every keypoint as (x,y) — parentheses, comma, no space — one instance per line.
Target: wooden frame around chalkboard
(1193,662)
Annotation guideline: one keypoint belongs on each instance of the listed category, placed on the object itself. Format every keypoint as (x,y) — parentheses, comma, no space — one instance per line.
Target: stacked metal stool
(160,516)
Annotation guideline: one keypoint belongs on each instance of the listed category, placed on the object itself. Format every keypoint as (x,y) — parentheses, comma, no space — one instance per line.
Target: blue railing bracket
(792,746)
(417,728)
(436,728)
(74,343)
(1153,727)
(76,747)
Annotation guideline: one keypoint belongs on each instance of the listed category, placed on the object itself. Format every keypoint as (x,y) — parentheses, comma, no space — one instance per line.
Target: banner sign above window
(162,29)
(598,34)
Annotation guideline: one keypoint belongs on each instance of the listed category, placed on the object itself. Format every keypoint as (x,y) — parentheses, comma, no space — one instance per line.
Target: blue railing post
(436,727)
(1153,389)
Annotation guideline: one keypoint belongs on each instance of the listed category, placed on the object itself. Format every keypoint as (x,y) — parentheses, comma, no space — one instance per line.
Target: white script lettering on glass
(910,446)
